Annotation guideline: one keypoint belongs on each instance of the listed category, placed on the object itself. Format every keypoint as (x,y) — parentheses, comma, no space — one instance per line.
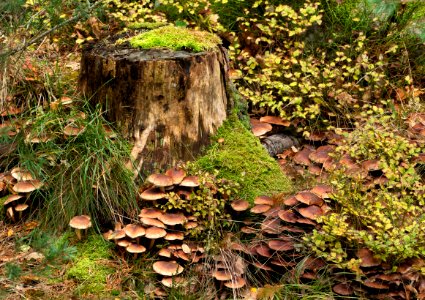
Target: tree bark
(167,102)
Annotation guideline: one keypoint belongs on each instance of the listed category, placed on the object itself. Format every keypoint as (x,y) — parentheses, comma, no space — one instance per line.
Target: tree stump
(167,102)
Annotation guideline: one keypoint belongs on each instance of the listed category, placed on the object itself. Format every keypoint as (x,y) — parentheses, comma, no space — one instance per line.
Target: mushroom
(20,208)
(160,180)
(154,233)
(21,174)
(152,213)
(167,268)
(239,205)
(152,194)
(236,283)
(190,181)
(135,249)
(134,231)
(27,186)
(171,219)
(173,281)
(79,223)
(177,175)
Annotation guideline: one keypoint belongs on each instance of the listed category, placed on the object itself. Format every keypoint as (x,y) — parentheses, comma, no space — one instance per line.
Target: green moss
(242,158)
(175,38)
(145,25)
(89,268)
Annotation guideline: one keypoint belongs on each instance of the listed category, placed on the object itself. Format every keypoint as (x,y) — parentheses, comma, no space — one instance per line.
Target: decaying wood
(277,143)
(179,96)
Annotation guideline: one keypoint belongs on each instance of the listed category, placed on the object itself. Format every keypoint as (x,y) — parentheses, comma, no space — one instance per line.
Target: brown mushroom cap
(271,226)
(280,245)
(264,200)
(152,222)
(275,120)
(260,208)
(135,248)
(165,252)
(21,175)
(160,180)
(21,207)
(173,219)
(309,198)
(260,128)
(301,157)
(12,198)
(288,216)
(190,181)
(172,236)
(177,175)
(73,130)
(152,213)
(27,186)
(367,258)
(117,234)
(264,250)
(123,243)
(134,231)
(239,205)
(155,233)
(152,194)
(291,201)
(167,268)
(222,275)
(190,225)
(343,289)
(311,212)
(173,281)
(80,222)
(236,283)
(322,191)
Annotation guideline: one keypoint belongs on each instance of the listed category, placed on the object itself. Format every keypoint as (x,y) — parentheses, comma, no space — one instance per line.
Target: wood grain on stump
(167,102)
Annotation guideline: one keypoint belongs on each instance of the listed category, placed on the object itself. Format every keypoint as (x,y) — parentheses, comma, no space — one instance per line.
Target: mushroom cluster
(273,241)
(19,183)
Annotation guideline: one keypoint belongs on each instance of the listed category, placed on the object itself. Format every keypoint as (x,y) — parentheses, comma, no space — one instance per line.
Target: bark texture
(167,102)
(277,143)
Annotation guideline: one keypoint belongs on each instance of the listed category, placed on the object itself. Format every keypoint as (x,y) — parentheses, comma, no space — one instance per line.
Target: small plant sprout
(80,223)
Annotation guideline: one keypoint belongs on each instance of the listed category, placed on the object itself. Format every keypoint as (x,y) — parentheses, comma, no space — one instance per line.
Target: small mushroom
(79,223)
(154,233)
(167,268)
(135,249)
(20,208)
(160,180)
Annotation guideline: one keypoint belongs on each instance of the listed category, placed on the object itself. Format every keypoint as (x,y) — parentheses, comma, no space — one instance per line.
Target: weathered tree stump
(167,102)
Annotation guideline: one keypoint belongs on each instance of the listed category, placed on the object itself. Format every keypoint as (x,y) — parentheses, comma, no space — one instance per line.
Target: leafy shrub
(207,203)
(388,220)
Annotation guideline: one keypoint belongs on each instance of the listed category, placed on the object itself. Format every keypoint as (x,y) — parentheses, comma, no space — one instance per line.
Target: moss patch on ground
(90,268)
(242,158)
(175,38)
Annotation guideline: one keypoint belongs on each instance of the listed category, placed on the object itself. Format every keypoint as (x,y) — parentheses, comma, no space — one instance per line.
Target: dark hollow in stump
(167,102)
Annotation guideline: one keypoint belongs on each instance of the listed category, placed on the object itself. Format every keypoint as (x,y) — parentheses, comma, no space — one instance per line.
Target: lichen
(242,158)
(89,268)
(175,38)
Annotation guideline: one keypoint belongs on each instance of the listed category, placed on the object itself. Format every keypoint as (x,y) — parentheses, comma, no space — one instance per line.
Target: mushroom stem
(151,243)
(78,232)
(11,214)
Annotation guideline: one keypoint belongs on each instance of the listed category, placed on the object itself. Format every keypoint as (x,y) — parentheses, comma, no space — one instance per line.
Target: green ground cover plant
(175,38)
(90,267)
(242,159)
